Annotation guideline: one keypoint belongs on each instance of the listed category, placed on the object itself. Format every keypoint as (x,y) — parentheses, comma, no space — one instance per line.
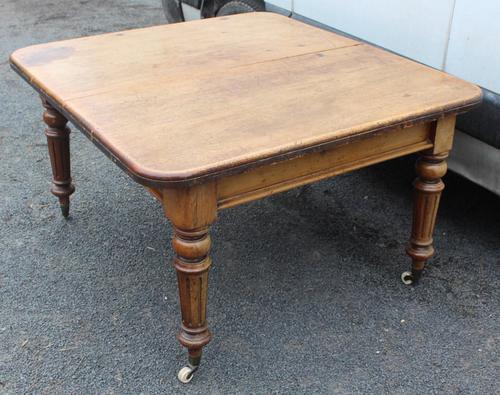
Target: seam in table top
(295,56)
(207,73)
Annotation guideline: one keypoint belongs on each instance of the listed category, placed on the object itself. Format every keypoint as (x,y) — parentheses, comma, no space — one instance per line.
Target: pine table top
(192,100)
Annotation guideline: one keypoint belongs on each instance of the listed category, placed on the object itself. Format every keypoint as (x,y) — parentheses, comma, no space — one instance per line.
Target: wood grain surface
(188,101)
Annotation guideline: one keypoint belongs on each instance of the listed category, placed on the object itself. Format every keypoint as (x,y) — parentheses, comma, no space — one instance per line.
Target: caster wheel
(185,375)
(407,278)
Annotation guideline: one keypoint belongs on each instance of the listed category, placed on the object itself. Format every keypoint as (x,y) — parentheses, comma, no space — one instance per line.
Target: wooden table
(215,113)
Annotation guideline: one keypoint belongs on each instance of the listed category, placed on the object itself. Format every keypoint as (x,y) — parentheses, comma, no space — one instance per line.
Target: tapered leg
(192,264)
(58,142)
(428,187)
(191,211)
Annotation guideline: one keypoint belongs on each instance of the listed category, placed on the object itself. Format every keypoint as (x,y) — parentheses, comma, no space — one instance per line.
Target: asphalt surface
(305,295)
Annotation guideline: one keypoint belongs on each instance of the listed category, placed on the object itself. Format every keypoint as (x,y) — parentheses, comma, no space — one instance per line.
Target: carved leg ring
(58,142)
(192,264)
(428,187)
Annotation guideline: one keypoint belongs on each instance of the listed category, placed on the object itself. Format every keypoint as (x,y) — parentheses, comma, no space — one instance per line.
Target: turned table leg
(58,143)
(428,187)
(192,210)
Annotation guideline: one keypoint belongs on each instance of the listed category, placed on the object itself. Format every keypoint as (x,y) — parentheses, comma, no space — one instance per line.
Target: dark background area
(305,295)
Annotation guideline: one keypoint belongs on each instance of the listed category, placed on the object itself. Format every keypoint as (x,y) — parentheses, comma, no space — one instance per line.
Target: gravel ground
(304,298)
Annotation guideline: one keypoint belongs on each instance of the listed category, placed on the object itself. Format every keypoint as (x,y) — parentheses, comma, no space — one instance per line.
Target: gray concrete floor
(305,293)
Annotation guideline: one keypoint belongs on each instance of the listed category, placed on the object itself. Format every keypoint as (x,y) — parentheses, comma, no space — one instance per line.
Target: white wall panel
(474,48)
(286,4)
(418,29)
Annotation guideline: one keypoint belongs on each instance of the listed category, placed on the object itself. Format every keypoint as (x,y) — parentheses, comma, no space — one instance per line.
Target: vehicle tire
(240,6)
(173,11)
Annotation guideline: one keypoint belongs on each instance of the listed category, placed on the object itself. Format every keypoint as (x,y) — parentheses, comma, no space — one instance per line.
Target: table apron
(277,177)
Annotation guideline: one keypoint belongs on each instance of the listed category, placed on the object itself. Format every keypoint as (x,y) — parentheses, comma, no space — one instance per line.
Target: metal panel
(418,29)
(474,49)
(286,4)
(476,161)
(483,122)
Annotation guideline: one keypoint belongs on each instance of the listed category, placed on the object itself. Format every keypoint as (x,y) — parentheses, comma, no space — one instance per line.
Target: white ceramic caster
(185,375)
(407,278)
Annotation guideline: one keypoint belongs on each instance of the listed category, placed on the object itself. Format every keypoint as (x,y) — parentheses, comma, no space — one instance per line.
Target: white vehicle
(184,10)
(460,37)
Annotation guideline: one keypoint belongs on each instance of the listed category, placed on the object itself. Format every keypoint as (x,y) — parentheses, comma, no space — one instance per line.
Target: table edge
(156,180)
